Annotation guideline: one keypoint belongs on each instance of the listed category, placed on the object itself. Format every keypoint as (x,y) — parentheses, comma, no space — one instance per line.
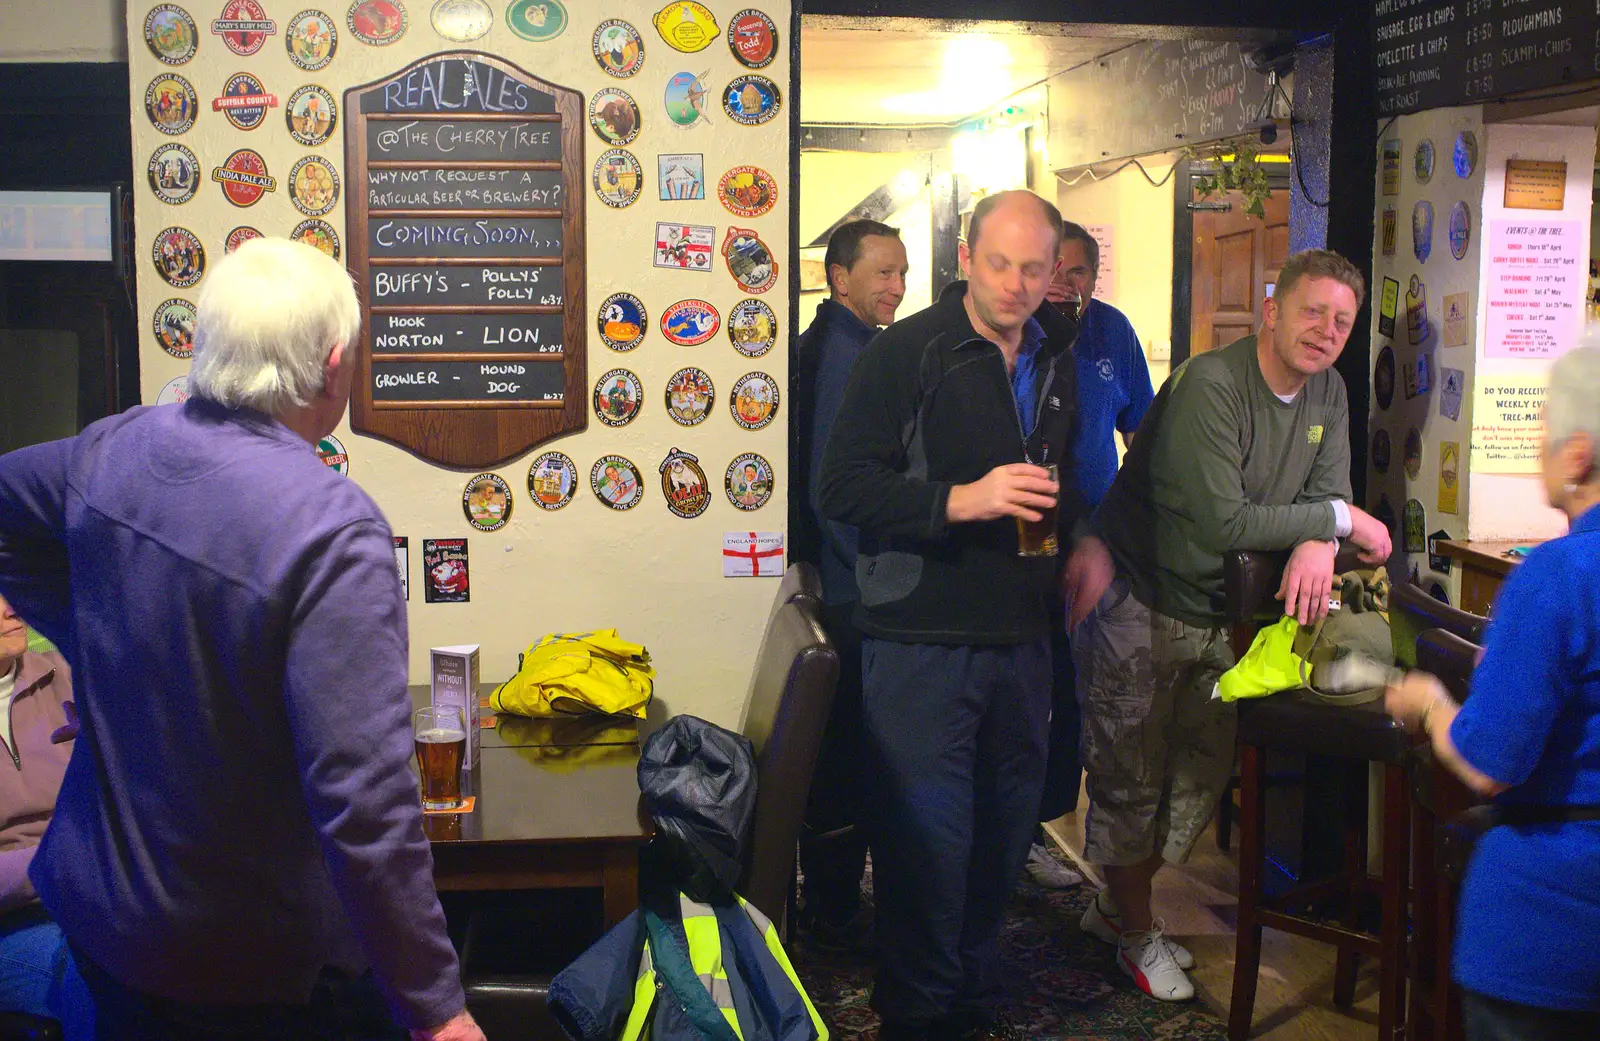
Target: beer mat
(487,722)
(466,806)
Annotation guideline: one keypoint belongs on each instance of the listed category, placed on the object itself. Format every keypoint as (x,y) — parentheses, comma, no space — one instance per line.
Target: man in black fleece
(940,445)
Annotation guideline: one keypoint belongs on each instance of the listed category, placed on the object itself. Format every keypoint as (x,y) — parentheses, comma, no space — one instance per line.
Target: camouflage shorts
(1157,749)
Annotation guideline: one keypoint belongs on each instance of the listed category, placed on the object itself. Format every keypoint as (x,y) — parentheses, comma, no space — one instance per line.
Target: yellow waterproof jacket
(576,673)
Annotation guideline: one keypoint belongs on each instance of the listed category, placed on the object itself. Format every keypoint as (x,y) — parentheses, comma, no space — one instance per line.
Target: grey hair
(268,315)
(1572,404)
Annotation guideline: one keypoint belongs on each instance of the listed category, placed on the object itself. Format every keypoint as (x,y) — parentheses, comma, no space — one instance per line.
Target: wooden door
(1236,262)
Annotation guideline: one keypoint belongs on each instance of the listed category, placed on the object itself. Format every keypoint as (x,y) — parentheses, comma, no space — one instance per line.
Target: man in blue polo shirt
(1113,393)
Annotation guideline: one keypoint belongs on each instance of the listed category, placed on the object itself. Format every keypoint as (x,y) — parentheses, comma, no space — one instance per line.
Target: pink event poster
(1537,276)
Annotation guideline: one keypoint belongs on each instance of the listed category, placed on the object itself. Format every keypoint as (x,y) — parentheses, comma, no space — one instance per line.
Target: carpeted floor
(1065,985)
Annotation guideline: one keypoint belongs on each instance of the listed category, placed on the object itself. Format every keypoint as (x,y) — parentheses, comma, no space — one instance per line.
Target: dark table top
(521,732)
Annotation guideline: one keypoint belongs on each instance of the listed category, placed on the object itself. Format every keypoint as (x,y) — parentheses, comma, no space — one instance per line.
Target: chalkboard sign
(1436,53)
(486,384)
(540,334)
(1153,97)
(465,220)
(390,287)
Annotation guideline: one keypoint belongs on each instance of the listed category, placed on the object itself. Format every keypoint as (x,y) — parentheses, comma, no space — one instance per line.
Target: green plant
(1236,166)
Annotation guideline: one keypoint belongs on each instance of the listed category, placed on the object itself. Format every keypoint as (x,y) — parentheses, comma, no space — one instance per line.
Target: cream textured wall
(1140,216)
(64,30)
(655,576)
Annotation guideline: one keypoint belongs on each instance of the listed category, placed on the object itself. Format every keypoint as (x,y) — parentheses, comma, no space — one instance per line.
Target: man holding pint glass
(946,455)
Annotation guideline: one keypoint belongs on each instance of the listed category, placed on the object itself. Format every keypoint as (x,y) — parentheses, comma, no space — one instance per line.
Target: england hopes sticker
(747,191)
(749,260)
(614,115)
(179,257)
(487,502)
(753,38)
(174,173)
(318,233)
(751,100)
(684,485)
(333,455)
(446,579)
(623,321)
(173,323)
(377,23)
(312,39)
(618,48)
(690,396)
(754,401)
(170,33)
(244,101)
(552,480)
(171,104)
(311,114)
(689,323)
(244,177)
(752,327)
(617,397)
(617,178)
(314,186)
(748,481)
(615,482)
(243,26)
(238,237)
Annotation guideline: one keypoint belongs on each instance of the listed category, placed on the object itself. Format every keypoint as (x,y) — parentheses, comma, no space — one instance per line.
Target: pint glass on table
(441,739)
(1038,538)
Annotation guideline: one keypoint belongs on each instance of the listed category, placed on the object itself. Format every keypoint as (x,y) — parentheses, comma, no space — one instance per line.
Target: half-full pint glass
(441,744)
(1038,538)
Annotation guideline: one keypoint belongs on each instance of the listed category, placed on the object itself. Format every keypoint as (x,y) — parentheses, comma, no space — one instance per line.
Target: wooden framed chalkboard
(465,225)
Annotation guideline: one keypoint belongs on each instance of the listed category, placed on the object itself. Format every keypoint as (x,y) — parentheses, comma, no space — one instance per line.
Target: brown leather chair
(791,695)
(1413,611)
(19,1026)
(1299,721)
(1434,1004)
(801,582)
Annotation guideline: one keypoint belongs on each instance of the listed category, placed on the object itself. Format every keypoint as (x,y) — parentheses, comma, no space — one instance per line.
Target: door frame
(1183,179)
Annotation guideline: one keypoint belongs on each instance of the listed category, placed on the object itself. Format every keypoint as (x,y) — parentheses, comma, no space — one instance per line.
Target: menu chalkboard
(1152,97)
(465,219)
(1434,53)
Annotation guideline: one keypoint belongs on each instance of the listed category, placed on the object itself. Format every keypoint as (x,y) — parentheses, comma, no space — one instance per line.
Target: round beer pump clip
(487,502)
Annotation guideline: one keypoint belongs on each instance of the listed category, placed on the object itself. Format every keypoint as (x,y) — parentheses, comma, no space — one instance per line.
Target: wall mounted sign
(614,115)
(617,397)
(1422,230)
(748,481)
(461,21)
(318,233)
(754,401)
(615,481)
(683,484)
(467,244)
(1534,184)
(170,33)
(747,191)
(1534,290)
(312,39)
(685,99)
(174,327)
(1422,161)
(552,478)
(1388,306)
(751,100)
(1449,476)
(487,502)
(689,396)
(684,247)
(753,38)
(681,176)
(1391,167)
(378,23)
(686,26)
(1457,319)
(446,578)
(618,48)
(179,257)
(333,454)
(749,260)
(239,236)
(623,321)
(311,114)
(171,104)
(244,101)
(174,173)
(1464,157)
(752,327)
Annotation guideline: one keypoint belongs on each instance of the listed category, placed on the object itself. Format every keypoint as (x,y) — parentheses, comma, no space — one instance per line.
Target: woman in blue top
(1526,954)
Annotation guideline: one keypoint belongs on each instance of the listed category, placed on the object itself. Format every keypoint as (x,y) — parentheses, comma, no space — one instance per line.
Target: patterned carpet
(1066,987)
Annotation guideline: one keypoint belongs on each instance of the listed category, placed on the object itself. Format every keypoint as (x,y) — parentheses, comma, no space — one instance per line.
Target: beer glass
(1038,538)
(441,738)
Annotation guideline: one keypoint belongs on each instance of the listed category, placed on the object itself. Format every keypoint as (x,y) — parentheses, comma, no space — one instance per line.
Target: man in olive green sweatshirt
(1246,447)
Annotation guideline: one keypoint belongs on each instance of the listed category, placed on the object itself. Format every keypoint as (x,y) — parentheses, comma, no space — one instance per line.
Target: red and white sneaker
(1103,921)
(1148,960)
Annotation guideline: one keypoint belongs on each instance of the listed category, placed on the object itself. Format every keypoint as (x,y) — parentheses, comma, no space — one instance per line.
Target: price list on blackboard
(467,247)
(1432,54)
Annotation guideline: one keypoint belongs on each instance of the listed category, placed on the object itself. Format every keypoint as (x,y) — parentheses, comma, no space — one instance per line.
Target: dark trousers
(1063,772)
(1489,1019)
(956,739)
(833,844)
(341,1008)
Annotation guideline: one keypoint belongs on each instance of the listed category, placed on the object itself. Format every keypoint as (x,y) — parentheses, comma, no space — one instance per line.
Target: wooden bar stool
(1299,721)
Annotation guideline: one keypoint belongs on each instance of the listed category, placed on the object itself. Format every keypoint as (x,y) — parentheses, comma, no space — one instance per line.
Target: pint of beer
(1038,538)
(441,739)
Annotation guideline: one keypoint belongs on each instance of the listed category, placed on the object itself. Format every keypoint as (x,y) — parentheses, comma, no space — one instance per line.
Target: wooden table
(558,807)
(1484,565)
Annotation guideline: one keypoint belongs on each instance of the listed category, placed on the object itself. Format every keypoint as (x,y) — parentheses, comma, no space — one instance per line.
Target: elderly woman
(1525,954)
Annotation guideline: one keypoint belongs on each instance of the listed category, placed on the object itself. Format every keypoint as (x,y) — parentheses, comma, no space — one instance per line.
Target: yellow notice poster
(1507,426)
(1449,476)
(1535,184)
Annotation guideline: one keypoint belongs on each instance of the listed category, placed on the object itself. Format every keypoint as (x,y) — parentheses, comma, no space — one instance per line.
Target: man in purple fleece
(237,846)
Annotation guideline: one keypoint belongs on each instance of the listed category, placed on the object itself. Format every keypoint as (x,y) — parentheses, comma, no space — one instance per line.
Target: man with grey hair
(238,839)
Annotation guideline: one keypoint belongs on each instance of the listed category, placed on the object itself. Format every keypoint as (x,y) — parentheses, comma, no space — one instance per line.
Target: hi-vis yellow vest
(576,673)
(705,955)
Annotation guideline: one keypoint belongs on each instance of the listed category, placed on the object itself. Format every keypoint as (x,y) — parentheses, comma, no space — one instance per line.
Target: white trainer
(1049,873)
(1103,920)
(1148,960)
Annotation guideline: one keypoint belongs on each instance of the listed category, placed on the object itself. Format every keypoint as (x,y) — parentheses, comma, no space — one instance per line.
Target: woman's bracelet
(1422,722)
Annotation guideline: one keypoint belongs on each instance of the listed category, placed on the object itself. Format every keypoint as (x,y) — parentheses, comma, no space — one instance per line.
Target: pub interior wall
(654,576)
(65,30)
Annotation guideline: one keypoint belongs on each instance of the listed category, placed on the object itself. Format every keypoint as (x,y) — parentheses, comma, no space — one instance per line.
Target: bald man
(946,428)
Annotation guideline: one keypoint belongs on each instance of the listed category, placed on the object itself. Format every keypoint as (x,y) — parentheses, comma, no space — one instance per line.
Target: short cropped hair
(844,245)
(268,314)
(1047,209)
(1320,263)
(1071,232)
(1572,404)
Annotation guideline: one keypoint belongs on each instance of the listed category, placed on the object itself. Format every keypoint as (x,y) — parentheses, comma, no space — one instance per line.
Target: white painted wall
(63,30)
